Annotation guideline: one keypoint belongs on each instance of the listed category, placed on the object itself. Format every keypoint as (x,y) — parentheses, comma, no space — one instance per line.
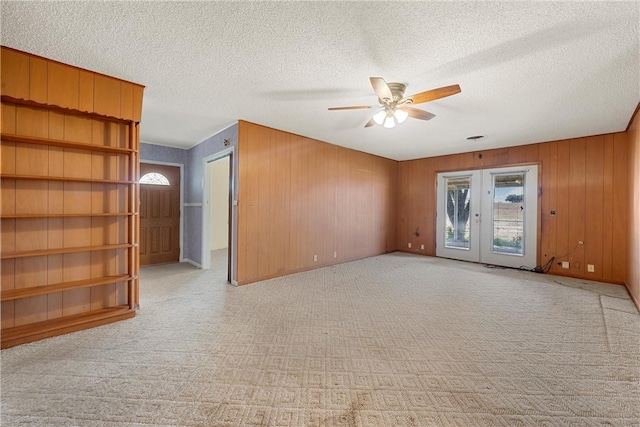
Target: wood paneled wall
(633,264)
(584,180)
(300,198)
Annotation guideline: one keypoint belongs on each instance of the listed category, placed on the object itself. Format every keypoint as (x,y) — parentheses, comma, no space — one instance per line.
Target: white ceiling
(529,71)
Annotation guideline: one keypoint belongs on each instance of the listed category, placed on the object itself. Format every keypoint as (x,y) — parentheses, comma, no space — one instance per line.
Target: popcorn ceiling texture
(393,340)
(529,71)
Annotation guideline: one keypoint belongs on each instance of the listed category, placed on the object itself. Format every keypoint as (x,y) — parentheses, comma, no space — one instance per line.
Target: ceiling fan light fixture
(389,122)
(395,105)
(379,117)
(400,115)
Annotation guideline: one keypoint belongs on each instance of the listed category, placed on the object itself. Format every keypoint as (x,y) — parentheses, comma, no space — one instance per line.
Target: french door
(489,216)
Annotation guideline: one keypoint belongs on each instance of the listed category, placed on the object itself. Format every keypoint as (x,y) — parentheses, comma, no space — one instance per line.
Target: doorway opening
(217,213)
(489,216)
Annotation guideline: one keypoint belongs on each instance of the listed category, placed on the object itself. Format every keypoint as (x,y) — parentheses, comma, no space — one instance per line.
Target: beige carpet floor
(394,340)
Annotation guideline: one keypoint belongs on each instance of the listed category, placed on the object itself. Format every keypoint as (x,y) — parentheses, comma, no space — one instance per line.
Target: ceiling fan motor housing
(397,90)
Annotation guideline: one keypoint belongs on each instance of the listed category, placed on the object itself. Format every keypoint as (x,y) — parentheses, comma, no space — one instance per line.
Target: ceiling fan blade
(433,94)
(370,123)
(355,107)
(418,114)
(381,88)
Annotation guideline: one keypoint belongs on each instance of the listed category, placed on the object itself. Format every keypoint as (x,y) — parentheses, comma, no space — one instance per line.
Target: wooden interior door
(159,216)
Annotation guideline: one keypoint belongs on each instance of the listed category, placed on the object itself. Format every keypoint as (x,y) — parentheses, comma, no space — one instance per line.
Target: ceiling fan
(395,106)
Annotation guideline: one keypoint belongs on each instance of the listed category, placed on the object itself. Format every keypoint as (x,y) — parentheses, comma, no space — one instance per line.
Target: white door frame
(181,166)
(481,218)
(206,210)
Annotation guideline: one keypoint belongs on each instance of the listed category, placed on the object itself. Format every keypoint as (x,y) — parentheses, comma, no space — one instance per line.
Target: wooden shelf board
(64,144)
(62,325)
(61,215)
(13,294)
(41,252)
(62,178)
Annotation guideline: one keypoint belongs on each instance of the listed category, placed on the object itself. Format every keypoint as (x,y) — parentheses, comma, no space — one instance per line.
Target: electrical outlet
(315,258)
(335,254)
(409,245)
(591,268)
(565,264)
(422,247)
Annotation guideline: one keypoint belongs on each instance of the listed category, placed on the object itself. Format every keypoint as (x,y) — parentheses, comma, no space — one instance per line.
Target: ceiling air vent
(475,137)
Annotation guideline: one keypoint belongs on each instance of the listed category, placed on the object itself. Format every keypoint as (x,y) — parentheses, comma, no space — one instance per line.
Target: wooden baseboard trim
(302,270)
(64,325)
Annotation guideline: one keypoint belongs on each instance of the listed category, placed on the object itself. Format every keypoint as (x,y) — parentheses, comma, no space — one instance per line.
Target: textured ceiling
(529,71)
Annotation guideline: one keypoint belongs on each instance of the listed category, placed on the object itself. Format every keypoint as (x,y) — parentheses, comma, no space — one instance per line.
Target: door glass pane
(458,205)
(508,213)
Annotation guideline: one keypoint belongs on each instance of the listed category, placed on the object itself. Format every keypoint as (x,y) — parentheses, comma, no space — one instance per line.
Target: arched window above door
(154,178)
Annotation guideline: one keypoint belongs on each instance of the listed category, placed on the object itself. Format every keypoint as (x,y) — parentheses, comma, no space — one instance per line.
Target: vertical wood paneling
(76,267)
(8,158)
(137,103)
(264,202)
(14,76)
(583,180)
(63,85)
(31,232)
(106,96)
(594,206)
(85,91)
(309,243)
(277,232)
(251,204)
(8,118)
(30,310)
(32,160)
(8,196)
(633,174)
(607,208)
(310,198)
(294,211)
(620,199)
(32,122)
(562,205)
(427,226)
(126,99)
(576,209)
(37,203)
(549,174)
(38,80)
(30,273)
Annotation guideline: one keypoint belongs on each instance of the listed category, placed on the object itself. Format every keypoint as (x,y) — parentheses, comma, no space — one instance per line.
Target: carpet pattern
(394,340)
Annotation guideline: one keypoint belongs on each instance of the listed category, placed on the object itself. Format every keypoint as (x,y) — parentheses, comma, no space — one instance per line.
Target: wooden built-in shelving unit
(69,198)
